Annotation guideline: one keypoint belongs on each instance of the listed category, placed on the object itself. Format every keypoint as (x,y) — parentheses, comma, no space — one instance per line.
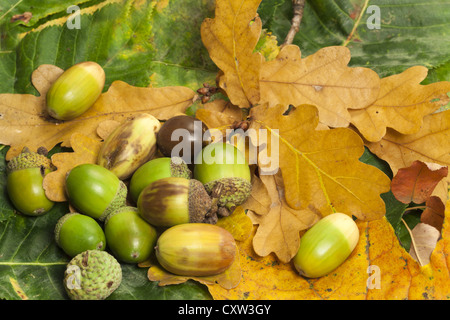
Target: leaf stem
(355,26)
(412,242)
(10,9)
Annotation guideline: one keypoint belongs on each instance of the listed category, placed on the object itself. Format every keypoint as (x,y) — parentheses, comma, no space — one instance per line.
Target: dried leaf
(85,150)
(378,269)
(321,168)
(402,103)
(230,39)
(417,182)
(279,229)
(259,201)
(434,212)
(322,79)
(424,241)
(23,121)
(430,144)
(219,114)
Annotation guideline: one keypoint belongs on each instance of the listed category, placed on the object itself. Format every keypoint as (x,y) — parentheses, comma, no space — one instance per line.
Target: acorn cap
(199,202)
(179,168)
(28,159)
(118,201)
(235,191)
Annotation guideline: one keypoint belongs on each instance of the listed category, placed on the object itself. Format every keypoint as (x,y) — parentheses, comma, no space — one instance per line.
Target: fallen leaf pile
(313,119)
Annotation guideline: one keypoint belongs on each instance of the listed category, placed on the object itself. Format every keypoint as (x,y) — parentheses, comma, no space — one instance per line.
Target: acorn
(75,91)
(183,136)
(25,174)
(94,190)
(196,249)
(130,238)
(326,245)
(130,145)
(174,200)
(75,233)
(156,169)
(224,163)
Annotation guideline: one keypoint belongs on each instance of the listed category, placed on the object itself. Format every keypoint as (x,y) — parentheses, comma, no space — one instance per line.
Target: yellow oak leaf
(85,150)
(379,268)
(321,168)
(238,224)
(402,103)
(23,121)
(430,144)
(322,79)
(279,229)
(230,39)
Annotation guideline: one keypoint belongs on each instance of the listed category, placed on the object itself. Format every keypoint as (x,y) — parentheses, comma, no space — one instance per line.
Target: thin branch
(298,6)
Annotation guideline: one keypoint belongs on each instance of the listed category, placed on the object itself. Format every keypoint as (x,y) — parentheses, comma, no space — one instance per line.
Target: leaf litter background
(158,44)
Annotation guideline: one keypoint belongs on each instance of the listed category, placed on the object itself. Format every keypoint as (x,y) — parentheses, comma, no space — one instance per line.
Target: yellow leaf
(85,150)
(322,79)
(279,229)
(430,144)
(23,121)
(238,224)
(402,103)
(230,39)
(321,168)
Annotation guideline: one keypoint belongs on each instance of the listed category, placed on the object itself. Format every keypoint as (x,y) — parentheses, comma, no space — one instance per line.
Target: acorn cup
(95,191)
(25,174)
(75,91)
(225,164)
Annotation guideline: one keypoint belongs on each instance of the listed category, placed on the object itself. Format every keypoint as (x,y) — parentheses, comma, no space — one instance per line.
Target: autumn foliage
(324,114)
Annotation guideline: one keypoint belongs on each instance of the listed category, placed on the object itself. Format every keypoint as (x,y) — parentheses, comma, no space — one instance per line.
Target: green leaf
(140,42)
(410,33)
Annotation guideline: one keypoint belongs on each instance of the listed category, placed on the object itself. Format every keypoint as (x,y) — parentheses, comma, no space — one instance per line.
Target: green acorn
(326,245)
(224,163)
(75,91)
(25,174)
(156,169)
(130,238)
(173,200)
(94,190)
(75,233)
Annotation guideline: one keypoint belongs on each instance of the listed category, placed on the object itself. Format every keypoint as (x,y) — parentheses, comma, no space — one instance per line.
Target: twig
(298,6)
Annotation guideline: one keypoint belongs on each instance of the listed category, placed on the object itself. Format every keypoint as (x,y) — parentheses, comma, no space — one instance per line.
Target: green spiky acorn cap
(28,159)
(92,275)
(222,168)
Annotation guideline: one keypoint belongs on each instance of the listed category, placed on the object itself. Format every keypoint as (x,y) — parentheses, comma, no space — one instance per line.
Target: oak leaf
(402,103)
(85,150)
(378,269)
(23,121)
(322,79)
(230,39)
(321,167)
(279,229)
(424,241)
(430,144)
(417,182)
